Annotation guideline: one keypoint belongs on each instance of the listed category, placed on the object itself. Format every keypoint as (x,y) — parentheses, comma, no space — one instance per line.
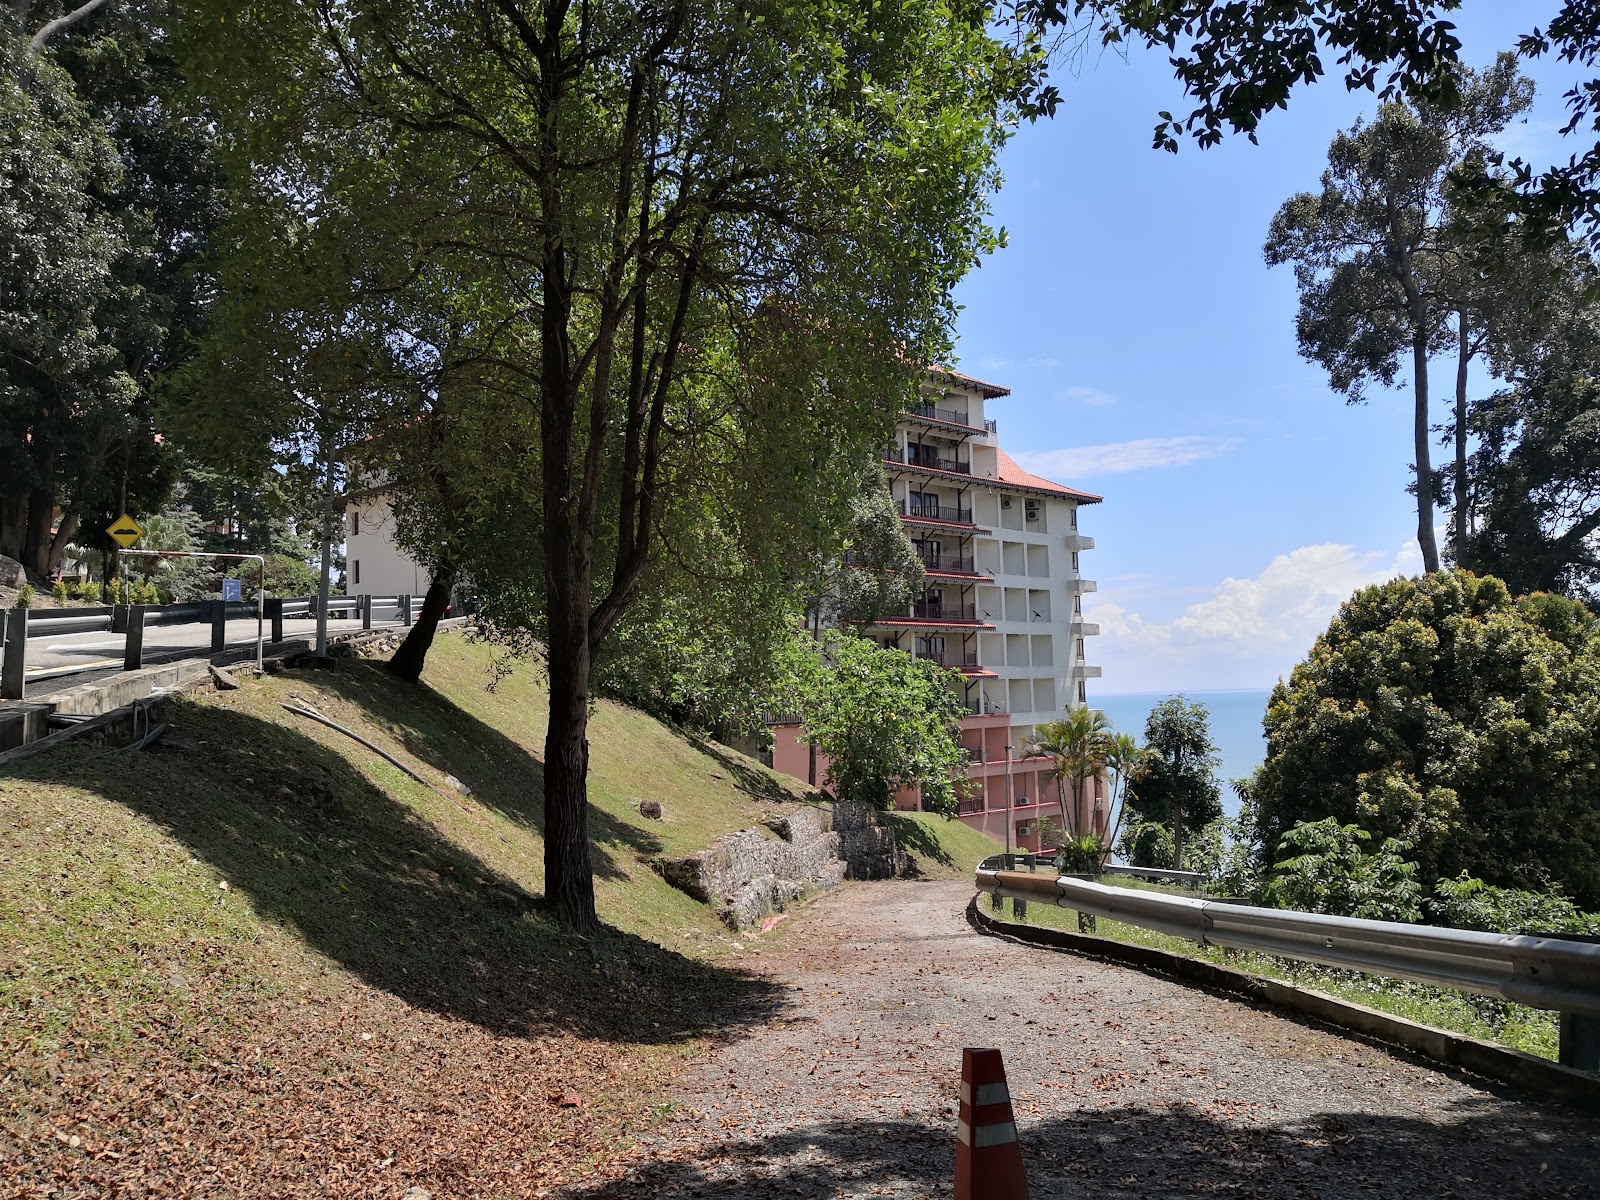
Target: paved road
(55,656)
(1126,1085)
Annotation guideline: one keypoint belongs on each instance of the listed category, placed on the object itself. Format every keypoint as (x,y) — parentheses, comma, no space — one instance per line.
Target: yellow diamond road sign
(125,531)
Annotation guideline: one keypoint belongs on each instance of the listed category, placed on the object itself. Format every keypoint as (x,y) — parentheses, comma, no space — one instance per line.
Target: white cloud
(1247,631)
(1093,397)
(1117,458)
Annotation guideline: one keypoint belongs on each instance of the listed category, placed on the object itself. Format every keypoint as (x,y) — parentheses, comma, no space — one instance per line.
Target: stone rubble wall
(748,875)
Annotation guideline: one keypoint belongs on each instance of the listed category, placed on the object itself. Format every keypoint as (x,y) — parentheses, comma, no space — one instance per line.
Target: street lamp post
(1009,749)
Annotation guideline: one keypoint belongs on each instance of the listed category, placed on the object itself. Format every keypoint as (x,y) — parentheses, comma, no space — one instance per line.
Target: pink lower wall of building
(1033,794)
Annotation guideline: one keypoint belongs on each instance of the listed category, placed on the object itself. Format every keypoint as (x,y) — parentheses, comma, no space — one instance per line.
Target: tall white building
(1002,606)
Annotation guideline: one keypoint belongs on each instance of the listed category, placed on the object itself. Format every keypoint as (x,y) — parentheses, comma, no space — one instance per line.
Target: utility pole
(1009,748)
(324,585)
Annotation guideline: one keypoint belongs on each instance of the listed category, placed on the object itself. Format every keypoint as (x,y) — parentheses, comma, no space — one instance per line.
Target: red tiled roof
(1016,477)
(990,390)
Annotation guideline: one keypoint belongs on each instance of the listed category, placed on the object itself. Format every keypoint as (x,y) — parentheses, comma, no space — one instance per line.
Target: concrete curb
(1525,1072)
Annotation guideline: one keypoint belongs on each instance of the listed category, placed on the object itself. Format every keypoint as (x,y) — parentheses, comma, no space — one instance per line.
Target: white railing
(1541,972)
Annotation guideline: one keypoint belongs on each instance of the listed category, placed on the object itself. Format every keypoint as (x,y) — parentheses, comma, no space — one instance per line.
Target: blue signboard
(233,589)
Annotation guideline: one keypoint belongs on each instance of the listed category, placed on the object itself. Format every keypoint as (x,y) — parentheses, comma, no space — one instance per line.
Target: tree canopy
(1441,712)
(1176,782)
(700,246)
(886,721)
(1379,257)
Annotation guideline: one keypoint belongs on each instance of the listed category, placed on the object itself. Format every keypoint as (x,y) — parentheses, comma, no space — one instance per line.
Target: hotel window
(355,570)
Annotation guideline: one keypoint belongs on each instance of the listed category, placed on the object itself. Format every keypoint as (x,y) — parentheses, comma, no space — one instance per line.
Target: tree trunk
(568,876)
(1421,431)
(1177,835)
(407,662)
(1463,357)
(36,538)
(63,535)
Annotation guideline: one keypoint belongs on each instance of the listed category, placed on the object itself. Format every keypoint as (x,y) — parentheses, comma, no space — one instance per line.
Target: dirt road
(1125,1084)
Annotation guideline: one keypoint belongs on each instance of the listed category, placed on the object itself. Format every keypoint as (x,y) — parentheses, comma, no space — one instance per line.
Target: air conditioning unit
(1033,510)
(1005,501)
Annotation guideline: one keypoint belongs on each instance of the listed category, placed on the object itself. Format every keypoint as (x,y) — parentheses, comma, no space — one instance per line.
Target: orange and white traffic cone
(988,1158)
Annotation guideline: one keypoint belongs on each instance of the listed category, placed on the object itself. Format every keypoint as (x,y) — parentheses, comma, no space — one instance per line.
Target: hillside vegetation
(258,959)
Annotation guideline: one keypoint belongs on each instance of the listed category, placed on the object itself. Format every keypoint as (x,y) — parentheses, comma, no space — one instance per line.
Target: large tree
(674,230)
(108,198)
(1176,783)
(1379,261)
(1442,712)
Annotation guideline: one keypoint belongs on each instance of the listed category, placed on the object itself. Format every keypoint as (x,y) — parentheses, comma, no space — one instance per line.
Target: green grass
(194,905)
(1530,1030)
(940,847)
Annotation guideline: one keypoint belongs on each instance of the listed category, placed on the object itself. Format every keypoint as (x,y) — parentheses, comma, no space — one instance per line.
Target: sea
(1235,722)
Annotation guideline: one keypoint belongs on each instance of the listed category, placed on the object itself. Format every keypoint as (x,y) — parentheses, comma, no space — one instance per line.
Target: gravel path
(1126,1085)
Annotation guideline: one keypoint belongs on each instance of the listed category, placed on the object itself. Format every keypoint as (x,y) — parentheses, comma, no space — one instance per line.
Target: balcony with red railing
(954,567)
(925,514)
(924,458)
(947,418)
(936,615)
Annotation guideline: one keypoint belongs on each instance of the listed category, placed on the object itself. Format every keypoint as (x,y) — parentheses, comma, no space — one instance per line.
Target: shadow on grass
(1495,1148)
(746,778)
(501,772)
(916,839)
(362,879)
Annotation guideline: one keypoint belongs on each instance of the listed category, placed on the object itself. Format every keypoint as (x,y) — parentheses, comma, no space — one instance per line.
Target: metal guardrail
(1541,972)
(22,625)
(1188,879)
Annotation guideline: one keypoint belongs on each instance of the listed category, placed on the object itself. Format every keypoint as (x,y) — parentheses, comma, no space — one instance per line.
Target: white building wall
(374,565)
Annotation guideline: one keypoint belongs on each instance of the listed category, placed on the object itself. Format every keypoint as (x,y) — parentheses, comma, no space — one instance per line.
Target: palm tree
(1076,745)
(1124,758)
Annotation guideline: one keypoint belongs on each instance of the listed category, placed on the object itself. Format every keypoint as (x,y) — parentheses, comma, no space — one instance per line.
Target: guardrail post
(275,615)
(1579,1036)
(133,647)
(1580,1042)
(12,680)
(365,603)
(219,626)
(405,610)
(119,618)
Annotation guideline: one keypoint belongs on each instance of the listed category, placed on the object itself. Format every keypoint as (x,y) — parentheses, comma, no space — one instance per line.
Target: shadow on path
(1134,1153)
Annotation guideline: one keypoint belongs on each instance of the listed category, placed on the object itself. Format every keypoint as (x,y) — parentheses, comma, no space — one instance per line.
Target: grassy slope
(261,960)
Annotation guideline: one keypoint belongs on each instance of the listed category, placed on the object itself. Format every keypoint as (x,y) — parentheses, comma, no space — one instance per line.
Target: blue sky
(1151,357)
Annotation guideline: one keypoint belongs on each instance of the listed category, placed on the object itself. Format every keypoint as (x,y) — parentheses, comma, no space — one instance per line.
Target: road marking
(45,672)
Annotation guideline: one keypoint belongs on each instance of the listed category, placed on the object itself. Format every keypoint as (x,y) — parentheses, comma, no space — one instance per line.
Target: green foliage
(886,721)
(1176,780)
(285,576)
(58,593)
(1536,479)
(1146,844)
(1077,745)
(89,590)
(24,597)
(881,573)
(1441,712)
(1468,903)
(1329,870)
(1050,834)
(1377,256)
(1082,855)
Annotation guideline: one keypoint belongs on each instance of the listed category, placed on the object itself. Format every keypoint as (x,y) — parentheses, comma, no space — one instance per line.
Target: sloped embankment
(257,959)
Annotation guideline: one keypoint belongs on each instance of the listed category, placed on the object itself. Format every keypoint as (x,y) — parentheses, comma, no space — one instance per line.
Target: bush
(1468,903)
(1334,874)
(88,590)
(1147,844)
(145,593)
(1442,712)
(24,597)
(58,593)
(1082,855)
